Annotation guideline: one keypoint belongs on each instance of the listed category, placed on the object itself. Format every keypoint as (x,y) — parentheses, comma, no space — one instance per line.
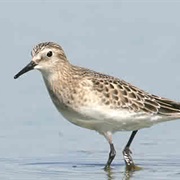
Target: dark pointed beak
(27,68)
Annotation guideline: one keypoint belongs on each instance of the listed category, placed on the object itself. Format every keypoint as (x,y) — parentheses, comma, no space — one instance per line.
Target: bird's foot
(130,166)
(112,155)
(107,168)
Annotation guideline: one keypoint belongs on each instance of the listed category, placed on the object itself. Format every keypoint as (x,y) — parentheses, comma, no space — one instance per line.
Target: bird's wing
(117,93)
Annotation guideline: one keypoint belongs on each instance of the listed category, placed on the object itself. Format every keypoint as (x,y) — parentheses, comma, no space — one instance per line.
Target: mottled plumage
(39,47)
(120,94)
(97,101)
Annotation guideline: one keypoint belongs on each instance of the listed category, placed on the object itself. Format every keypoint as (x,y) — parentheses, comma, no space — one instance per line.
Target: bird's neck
(60,72)
(59,85)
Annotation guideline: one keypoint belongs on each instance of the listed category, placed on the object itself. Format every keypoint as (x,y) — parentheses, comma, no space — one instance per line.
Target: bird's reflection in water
(110,174)
(127,174)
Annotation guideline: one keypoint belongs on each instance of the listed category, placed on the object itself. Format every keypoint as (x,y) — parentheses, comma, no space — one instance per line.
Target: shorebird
(98,101)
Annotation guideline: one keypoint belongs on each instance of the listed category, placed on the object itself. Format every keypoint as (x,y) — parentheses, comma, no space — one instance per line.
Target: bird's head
(45,57)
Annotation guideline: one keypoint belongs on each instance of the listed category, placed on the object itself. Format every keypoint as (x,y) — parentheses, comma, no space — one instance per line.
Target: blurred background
(137,41)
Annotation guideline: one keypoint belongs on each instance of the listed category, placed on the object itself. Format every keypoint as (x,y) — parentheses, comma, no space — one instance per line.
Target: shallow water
(46,151)
(86,167)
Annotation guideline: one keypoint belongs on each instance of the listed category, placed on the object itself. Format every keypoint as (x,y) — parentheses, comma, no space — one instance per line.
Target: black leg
(112,154)
(127,153)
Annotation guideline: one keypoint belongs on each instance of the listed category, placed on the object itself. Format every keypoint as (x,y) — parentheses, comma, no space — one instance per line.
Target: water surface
(49,152)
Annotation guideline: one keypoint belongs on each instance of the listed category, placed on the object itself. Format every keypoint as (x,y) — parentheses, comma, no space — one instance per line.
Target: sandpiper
(97,101)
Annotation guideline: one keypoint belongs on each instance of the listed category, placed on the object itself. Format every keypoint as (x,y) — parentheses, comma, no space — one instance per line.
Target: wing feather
(126,96)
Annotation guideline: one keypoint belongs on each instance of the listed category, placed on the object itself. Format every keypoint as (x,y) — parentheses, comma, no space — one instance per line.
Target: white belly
(103,120)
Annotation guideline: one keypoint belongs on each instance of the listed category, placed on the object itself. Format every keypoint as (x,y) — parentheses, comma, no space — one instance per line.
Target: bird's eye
(49,54)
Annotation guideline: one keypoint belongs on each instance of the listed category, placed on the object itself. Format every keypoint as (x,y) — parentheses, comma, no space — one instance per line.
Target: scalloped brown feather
(124,95)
